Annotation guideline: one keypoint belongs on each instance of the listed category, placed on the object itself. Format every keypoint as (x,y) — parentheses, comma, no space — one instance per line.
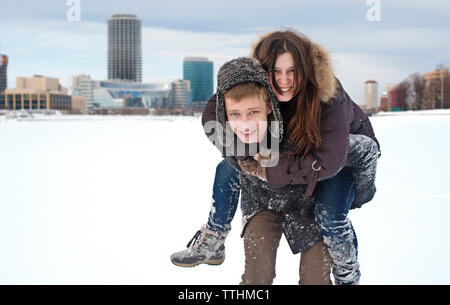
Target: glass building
(111,94)
(199,71)
(124,48)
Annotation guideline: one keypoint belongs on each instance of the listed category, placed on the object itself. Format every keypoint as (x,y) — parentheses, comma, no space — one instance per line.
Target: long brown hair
(304,126)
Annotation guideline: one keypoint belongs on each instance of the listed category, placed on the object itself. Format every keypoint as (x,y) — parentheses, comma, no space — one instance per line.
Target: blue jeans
(334,198)
(225,197)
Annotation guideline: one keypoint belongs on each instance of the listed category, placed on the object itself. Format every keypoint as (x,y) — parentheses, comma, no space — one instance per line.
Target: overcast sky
(411,36)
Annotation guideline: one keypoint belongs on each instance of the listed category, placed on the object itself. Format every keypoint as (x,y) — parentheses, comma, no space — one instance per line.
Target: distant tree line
(420,92)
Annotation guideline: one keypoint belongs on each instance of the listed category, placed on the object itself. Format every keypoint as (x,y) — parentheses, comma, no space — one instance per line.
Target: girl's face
(284,76)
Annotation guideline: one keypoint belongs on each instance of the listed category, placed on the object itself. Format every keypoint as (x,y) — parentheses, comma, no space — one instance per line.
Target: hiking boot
(206,247)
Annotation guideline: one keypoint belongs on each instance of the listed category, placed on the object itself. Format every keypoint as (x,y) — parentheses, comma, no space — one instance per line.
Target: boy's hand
(253,167)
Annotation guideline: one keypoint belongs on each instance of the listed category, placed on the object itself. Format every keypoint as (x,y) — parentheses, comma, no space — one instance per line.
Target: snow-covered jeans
(334,198)
(225,198)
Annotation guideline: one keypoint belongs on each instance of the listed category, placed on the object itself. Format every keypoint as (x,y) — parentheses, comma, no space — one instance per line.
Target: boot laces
(194,239)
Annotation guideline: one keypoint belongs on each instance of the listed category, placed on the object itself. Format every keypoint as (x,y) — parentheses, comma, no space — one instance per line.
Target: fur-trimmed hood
(323,69)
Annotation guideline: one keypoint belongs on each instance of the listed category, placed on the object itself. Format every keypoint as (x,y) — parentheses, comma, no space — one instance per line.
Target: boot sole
(212,262)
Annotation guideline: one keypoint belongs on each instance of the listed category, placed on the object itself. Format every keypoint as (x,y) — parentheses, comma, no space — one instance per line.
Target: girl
(318,117)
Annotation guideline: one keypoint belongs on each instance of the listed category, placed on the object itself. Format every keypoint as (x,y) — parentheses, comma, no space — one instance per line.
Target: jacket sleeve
(331,155)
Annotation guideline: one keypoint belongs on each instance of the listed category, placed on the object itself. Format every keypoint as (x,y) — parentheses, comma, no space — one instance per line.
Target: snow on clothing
(334,197)
(261,241)
(226,190)
(296,213)
(225,198)
(340,117)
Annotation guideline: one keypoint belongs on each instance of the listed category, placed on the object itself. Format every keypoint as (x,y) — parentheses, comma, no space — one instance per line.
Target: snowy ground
(106,200)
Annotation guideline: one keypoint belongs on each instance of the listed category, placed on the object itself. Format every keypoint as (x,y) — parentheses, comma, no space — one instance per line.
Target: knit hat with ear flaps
(242,70)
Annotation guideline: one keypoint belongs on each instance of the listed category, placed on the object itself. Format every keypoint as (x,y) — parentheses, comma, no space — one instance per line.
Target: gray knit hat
(242,70)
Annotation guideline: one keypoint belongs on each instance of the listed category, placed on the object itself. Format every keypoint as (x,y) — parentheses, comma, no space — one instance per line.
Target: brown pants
(261,239)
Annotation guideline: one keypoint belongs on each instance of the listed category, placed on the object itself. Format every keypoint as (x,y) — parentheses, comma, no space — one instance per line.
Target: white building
(83,86)
(371,94)
(180,95)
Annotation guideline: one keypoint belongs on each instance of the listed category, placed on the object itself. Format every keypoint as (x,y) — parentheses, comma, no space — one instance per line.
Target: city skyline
(410,37)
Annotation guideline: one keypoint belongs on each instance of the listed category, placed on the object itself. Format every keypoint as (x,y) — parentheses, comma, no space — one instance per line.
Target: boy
(248,114)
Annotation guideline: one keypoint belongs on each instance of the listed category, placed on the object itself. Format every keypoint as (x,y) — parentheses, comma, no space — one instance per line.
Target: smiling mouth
(286,90)
(247,134)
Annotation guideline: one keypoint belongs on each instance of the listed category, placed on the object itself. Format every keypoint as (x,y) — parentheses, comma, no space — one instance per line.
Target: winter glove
(252,167)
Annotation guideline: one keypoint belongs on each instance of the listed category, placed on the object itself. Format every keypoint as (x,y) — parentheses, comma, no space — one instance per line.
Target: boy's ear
(269,108)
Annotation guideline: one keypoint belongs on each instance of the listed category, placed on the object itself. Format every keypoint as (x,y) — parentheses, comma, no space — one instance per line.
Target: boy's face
(248,118)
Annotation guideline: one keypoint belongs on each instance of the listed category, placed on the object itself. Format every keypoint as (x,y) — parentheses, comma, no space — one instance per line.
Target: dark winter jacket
(295,212)
(340,117)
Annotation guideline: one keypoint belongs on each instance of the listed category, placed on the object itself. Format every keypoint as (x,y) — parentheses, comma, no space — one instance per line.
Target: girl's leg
(334,197)
(261,240)
(225,198)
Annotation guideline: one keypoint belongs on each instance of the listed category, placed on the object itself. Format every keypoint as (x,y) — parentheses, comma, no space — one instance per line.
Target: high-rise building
(3,72)
(124,48)
(83,85)
(384,102)
(390,89)
(180,94)
(371,94)
(199,71)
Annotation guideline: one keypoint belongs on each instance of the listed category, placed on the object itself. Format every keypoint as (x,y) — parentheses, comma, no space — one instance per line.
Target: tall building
(390,89)
(199,71)
(371,94)
(83,85)
(384,102)
(124,48)
(437,83)
(3,72)
(436,74)
(180,94)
